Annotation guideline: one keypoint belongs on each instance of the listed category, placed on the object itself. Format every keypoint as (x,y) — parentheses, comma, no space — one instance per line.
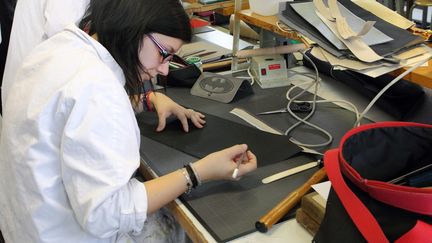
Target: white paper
(323,189)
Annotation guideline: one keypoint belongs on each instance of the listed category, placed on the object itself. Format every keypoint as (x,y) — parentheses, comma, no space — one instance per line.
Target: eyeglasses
(166,56)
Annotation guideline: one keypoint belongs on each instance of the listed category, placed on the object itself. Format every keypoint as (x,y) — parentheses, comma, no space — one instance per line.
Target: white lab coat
(35,21)
(69,146)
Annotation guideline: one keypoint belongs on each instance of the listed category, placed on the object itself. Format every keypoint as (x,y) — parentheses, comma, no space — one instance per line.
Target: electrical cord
(252,80)
(395,80)
(315,83)
(250,76)
(314,102)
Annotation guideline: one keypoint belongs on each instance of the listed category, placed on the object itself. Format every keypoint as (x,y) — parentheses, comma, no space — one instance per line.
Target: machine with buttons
(270,71)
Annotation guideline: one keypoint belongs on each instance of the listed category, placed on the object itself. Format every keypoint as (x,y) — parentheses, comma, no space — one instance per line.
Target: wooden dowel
(268,220)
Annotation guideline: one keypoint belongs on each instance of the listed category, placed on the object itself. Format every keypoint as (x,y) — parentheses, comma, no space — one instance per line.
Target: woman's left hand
(166,107)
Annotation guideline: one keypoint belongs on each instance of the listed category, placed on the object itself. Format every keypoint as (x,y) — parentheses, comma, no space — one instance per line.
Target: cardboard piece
(388,15)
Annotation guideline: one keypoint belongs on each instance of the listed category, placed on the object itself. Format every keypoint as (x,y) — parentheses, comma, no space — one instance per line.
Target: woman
(70,141)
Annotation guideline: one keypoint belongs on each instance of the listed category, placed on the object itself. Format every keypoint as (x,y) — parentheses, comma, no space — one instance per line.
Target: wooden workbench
(225,8)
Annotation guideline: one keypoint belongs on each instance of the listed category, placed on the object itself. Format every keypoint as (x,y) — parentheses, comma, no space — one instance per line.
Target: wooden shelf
(421,75)
(266,22)
(225,8)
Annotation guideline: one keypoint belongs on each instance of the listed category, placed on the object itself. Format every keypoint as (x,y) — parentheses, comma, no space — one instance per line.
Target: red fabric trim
(421,232)
(148,102)
(418,200)
(360,215)
(379,125)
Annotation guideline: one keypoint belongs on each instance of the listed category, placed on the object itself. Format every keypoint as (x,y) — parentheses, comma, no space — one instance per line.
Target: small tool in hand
(238,162)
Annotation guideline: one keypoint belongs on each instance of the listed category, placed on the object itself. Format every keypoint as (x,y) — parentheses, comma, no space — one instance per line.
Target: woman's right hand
(220,165)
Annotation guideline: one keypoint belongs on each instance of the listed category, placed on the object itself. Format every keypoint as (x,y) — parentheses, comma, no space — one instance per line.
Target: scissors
(295,107)
(283,110)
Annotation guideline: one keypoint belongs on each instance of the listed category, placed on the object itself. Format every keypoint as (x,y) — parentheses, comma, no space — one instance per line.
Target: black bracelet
(192,176)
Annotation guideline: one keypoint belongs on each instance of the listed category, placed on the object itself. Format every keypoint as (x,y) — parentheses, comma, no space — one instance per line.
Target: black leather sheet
(218,134)
(229,209)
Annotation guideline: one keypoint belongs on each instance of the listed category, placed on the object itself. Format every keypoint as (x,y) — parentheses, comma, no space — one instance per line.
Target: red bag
(363,206)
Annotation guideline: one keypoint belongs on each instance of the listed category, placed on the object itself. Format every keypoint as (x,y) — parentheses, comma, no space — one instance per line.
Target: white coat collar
(101,51)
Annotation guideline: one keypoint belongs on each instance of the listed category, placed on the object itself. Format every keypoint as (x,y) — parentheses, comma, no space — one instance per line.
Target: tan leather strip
(354,43)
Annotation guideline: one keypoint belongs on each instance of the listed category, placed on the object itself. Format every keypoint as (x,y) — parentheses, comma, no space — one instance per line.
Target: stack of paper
(351,36)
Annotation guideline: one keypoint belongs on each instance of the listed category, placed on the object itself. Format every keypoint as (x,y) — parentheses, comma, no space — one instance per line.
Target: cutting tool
(283,110)
(295,107)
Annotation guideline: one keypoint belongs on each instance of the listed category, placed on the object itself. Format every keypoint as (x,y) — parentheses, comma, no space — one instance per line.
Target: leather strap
(360,215)
(421,232)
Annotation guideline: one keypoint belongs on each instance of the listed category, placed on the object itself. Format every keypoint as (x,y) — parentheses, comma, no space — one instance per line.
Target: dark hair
(121,25)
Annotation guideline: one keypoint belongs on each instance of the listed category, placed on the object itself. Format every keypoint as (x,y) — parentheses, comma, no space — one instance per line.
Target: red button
(263,71)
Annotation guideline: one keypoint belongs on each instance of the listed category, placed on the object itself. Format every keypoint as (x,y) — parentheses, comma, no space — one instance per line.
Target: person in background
(6,15)
(35,21)
(70,141)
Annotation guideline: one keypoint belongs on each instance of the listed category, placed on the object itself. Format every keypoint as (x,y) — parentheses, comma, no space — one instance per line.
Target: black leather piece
(229,209)
(218,134)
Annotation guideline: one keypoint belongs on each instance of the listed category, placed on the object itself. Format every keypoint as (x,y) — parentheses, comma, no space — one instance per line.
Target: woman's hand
(221,164)
(166,107)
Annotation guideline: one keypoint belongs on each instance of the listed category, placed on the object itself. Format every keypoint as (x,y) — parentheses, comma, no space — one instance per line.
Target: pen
(238,162)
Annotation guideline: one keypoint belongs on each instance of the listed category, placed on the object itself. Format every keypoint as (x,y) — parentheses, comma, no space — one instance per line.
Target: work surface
(230,209)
